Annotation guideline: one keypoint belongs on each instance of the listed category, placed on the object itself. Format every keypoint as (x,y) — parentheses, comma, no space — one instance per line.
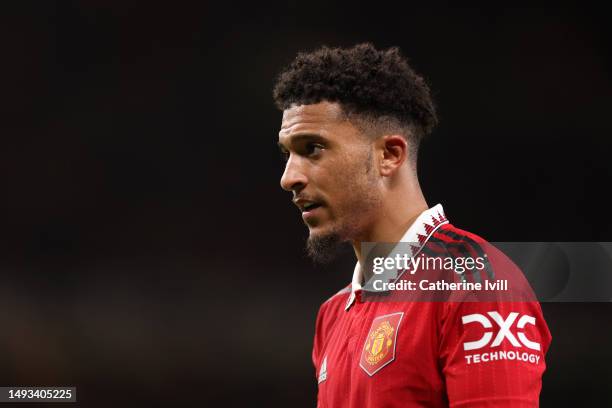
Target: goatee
(323,249)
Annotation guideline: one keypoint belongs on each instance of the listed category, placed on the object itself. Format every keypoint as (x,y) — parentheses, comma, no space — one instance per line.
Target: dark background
(148,253)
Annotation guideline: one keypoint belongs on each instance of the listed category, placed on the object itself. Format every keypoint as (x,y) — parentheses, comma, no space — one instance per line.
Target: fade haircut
(377,90)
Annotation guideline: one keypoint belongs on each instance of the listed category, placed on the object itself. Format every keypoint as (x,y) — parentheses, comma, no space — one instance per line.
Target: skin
(366,186)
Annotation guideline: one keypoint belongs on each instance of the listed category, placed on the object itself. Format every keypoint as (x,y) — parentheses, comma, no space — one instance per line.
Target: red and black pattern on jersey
(460,243)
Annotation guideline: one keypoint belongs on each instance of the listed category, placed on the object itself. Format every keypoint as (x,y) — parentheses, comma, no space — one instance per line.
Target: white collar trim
(420,231)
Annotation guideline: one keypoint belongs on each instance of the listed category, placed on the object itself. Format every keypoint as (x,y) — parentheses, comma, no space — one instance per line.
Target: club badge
(379,347)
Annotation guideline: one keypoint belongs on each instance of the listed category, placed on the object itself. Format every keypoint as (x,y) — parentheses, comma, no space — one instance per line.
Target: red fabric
(429,366)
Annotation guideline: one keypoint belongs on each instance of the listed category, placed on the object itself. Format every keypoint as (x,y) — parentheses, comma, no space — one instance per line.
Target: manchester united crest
(379,347)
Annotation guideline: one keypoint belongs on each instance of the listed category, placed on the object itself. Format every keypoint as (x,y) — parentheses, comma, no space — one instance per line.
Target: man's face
(331,173)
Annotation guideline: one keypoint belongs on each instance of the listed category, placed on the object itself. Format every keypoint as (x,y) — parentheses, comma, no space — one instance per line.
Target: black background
(148,253)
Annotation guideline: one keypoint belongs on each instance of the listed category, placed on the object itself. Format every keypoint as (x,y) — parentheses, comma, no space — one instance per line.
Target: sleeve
(492,353)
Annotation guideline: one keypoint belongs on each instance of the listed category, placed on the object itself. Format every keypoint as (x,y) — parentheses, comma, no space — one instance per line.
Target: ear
(394,152)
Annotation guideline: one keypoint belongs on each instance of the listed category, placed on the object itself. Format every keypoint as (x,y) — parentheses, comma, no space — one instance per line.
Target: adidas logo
(323,371)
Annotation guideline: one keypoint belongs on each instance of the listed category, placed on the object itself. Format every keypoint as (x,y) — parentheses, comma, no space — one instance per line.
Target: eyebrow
(302,137)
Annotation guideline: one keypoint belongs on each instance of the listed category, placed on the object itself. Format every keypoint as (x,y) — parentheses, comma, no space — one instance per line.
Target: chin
(322,245)
(328,231)
(320,231)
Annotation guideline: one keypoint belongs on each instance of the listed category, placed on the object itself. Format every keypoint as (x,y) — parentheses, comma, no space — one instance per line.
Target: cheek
(345,184)
(352,192)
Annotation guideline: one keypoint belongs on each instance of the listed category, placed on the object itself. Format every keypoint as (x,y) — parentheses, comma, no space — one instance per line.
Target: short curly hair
(377,85)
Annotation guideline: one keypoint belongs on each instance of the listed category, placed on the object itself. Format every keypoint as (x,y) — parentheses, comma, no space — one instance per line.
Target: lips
(306,204)
(311,214)
(310,206)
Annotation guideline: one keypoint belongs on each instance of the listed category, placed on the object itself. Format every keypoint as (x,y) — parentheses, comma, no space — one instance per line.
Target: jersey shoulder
(335,302)
(449,233)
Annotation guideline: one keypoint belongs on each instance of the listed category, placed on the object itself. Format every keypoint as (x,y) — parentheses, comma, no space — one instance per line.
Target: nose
(293,178)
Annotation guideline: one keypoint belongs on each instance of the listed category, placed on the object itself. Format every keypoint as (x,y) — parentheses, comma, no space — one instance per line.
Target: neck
(398,212)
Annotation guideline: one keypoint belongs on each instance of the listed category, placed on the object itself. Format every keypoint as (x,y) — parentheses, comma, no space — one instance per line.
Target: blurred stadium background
(148,253)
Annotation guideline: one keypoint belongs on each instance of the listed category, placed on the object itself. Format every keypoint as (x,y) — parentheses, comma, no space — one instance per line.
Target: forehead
(319,118)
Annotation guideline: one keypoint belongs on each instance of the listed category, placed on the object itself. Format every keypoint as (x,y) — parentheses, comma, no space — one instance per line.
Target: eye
(314,149)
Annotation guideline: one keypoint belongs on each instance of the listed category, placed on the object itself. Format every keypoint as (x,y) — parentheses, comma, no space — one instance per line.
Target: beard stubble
(364,198)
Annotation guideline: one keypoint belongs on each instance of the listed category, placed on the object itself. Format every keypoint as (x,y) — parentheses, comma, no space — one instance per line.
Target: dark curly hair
(376,85)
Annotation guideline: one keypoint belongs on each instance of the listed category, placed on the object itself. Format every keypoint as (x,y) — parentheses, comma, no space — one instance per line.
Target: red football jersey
(428,354)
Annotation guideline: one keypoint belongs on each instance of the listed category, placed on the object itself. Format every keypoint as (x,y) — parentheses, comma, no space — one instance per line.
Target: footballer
(352,122)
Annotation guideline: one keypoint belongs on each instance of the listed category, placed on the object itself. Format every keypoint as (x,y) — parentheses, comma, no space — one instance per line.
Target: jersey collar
(420,231)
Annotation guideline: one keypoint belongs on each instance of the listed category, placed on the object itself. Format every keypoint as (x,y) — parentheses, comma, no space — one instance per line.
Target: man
(352,122)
